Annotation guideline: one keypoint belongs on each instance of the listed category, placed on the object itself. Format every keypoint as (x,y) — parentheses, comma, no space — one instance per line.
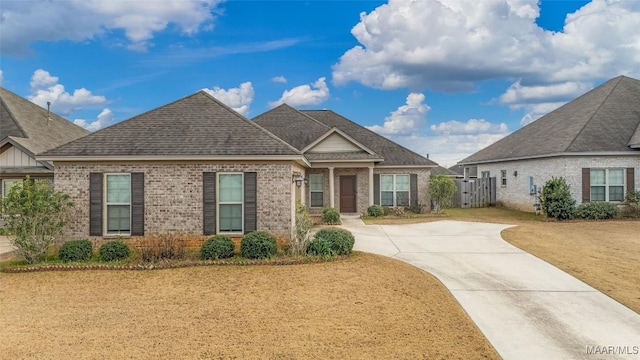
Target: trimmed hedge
(217,247)
(340,240)
(330,216)
(114,251)
(597,210)
(375,211)
(75,250)
(258,245)
(320,247)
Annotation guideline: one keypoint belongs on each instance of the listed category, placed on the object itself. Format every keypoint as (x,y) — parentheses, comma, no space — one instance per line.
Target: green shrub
(441,189)
(375,211)
(597,210)
(417,208)
(556,200)
(386,210)
(320,247)
(632,200)
(217,247)
(114,251)
(330,216)
(258,245)
(340,240)
(303,226)
(76,250)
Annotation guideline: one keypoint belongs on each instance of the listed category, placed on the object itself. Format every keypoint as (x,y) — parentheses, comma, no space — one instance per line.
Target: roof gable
(604,119)
(336,141)
(33,127)
(197,125)
(292,126)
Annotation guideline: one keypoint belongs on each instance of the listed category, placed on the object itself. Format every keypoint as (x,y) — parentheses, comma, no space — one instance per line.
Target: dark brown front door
(348,193)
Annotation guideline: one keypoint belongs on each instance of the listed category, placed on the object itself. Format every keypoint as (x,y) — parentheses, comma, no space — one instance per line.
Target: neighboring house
(593,142)
(197,167)
(27,129)
(450,172)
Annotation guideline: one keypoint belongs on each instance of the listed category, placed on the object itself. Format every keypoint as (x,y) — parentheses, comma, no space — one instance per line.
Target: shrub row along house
(593,142)
(195,166)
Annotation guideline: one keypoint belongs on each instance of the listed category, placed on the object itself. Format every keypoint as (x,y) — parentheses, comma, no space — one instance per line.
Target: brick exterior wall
(173,194)
(362,181)
(516,194)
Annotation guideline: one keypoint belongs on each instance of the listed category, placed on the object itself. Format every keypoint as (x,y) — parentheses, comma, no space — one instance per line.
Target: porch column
(332,201)
(370,185)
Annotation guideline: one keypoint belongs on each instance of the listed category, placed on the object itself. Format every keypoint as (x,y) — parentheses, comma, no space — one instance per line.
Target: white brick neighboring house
(593,142)
(196,167)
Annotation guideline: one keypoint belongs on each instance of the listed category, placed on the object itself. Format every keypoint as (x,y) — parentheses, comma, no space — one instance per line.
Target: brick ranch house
(197,167)
(593,142)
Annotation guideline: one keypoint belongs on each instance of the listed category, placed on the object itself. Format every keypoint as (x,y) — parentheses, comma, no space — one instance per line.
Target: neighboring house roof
(605,119)
(31,127)
(197,126)
(439,170)
(456,169)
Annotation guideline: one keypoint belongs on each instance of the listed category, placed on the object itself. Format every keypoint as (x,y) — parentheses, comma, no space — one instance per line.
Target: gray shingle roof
(392,153)
(26,124)
(605,119)
(440,170)
(342,156)
(197,125)
(291,125)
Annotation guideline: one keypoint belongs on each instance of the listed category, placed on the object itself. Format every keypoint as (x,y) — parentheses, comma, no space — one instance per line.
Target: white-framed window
(485,174)
(316,189)
(607,184)
(230,202)
(8,184)
(118,204)
(503,178)
(394,190)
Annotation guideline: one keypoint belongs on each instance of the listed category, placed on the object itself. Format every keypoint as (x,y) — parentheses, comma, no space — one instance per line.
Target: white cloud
(279,79)
(1,78)
(239,98)
(304,95)
(407,119)
(105,118)
(24,22)
(45,88)
(452,44)
(471,127)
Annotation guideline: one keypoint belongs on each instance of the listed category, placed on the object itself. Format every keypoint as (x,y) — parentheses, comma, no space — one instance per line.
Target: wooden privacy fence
(480,192)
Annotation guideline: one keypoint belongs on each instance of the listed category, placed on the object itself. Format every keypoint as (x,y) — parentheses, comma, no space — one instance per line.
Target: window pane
(118,218)
(402,182)
(386,198)
(230,217)
(597,177)
(616,177)
(616,193)
(230,189)
(8,184)
(316,182)
(402,198)
(317,199)
(386,182)
(119,188)
(597,193)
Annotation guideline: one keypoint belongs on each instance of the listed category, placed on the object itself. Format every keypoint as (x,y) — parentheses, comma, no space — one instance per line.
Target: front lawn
(362,307)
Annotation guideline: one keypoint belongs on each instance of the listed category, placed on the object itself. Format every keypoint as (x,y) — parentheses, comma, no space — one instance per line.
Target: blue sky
(442,77)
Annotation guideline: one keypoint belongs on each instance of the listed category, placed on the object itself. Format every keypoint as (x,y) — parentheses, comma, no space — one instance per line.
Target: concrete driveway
(6,249)
(527,308)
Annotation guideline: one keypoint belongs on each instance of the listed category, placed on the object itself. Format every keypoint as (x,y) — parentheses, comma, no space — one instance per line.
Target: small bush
(386,210)
(162,247)
(258,245)
(320,247)
(398,211)
(632,200)
(217,247)
(556,200)
(597,210)
(417,208)
(340,240)
(330,216)
(375,211)
(114,251)
(76,250)
(303,225)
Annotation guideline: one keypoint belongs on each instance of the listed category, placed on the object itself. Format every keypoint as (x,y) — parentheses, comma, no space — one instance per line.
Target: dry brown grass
(603,254)
(364,307)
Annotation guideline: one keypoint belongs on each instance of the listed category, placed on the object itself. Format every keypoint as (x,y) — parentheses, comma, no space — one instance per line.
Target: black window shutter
(413,189)
(250,202)
(376,189)
(631,187)
(137,203)
(586,185)
(208,203)
(95,204)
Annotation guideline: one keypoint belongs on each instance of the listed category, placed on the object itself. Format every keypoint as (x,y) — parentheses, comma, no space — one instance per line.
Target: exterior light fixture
(298,179)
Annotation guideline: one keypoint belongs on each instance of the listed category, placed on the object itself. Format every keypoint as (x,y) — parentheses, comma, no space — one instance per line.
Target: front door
(348,194)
